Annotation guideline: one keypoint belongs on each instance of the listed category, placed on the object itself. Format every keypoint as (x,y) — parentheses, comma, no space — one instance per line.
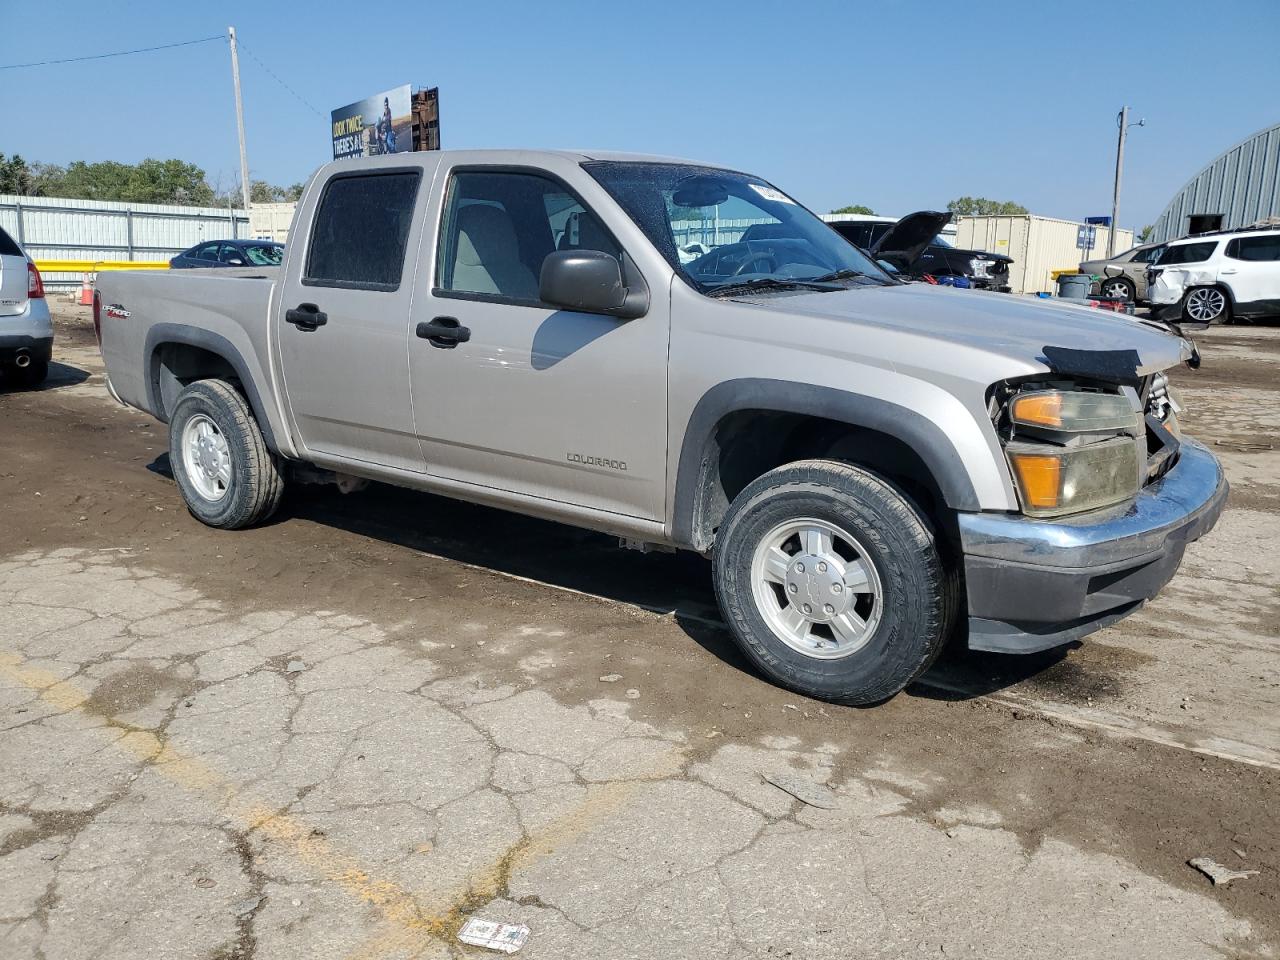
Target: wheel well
(175,365)
(746,444)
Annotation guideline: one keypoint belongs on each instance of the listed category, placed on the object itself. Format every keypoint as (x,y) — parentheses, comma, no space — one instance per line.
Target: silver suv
(26,329)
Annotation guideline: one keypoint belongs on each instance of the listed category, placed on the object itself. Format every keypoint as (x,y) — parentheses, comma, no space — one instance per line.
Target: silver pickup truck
(685,357)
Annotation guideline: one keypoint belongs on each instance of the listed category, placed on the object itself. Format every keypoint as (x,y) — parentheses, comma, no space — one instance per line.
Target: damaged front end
(1110,493)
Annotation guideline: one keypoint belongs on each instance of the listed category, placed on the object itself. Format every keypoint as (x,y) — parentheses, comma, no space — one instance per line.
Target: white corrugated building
(1039,246)
(1239,188)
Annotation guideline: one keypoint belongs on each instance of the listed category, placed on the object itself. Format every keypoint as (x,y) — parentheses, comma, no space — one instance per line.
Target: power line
(104,56)
(273,76)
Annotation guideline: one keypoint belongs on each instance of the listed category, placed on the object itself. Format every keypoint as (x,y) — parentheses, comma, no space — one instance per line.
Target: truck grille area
(1162,427)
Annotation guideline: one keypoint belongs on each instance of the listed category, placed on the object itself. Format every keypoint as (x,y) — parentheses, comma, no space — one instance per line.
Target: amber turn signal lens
(1041,409)
(1039,479)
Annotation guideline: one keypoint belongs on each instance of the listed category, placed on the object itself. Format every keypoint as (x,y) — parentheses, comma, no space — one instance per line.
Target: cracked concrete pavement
(321,739)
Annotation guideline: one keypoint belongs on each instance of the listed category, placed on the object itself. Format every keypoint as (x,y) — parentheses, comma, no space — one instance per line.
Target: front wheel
(228,477)
(1206,305)
(831,582)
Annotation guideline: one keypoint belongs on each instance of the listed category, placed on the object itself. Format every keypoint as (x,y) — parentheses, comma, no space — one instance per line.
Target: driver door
(521,396)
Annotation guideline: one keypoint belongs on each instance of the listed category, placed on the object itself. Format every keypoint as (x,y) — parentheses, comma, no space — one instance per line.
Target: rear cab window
(360,231)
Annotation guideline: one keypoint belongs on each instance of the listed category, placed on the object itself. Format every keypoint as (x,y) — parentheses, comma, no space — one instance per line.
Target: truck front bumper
(1037,584)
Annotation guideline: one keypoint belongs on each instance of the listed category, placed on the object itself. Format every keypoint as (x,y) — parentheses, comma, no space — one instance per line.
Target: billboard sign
(380,124)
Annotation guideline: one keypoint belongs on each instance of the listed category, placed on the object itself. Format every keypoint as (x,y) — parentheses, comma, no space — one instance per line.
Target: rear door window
(360,231)
(1265,248)
(1189,253)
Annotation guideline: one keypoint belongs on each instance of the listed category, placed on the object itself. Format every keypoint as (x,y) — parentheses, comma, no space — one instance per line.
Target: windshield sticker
(769,193)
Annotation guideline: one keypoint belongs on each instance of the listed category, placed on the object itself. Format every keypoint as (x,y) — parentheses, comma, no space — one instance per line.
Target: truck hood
(903,243)
(1001,325)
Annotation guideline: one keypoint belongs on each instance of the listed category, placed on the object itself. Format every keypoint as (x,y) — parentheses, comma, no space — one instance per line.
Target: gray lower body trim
(1035,584)
(38,348)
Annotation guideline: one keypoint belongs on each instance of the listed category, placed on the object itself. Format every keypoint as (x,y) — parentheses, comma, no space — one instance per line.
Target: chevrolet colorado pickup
(871,465)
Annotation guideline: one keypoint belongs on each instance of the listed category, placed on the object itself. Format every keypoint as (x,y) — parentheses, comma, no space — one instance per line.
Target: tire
(1117,287)
(1207,305)
(228,477)
(32,375)
(879,536)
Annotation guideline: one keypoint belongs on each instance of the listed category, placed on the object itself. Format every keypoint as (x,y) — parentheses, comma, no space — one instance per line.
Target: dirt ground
(345,732)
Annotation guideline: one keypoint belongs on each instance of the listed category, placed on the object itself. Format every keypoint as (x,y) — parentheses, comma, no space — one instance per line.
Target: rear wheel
(1117,287)
(228,477)
(1206,305)
(831,582)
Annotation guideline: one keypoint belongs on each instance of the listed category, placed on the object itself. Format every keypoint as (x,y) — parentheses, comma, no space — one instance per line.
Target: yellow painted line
(413,921)
(310,847)
(98,266)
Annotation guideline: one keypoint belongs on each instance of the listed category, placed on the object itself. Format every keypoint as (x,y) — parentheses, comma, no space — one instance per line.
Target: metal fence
(51,228)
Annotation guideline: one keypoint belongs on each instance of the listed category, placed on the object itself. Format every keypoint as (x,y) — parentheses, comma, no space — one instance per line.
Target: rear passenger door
(342,317)
(1251,267)
(532,399)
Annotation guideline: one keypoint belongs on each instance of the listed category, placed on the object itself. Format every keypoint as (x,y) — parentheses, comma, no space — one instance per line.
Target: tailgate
(13,284)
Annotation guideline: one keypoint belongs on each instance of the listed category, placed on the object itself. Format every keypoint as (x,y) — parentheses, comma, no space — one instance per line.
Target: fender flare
(164,333)
(922,435)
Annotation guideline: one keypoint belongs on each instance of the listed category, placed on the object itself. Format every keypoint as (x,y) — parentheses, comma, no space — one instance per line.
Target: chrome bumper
(1035,584)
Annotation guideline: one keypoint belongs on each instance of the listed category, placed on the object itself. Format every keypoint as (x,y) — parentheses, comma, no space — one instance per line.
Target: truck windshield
(720,229)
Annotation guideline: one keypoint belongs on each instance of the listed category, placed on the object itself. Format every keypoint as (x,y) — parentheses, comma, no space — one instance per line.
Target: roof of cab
(517,157)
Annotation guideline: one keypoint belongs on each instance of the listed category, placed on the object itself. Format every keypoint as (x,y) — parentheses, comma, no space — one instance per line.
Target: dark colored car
(230,253)
(914,248)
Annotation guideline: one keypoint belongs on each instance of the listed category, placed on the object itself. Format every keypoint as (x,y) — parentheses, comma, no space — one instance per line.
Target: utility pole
(244,157)
(1122,120)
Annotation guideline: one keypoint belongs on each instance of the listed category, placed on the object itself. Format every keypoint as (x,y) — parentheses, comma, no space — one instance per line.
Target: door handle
(444,332)
(1228,271)
(306,316)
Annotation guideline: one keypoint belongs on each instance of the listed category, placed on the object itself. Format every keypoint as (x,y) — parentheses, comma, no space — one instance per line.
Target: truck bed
(223,306)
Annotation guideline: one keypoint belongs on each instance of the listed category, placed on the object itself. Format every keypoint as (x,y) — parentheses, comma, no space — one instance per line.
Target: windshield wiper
(769,283)
(845,274)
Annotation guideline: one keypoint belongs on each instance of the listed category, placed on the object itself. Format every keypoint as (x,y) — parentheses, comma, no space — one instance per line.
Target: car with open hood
(915,247)
(871,466)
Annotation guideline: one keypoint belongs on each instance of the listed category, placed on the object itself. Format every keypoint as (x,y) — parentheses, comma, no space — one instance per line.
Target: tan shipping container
(1039,246)
(271,221)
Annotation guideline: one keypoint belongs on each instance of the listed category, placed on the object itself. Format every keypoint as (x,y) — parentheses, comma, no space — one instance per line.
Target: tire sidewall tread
(920,594)
(256,484)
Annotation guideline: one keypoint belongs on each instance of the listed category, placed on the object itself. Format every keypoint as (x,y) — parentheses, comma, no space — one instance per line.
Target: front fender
(927,438)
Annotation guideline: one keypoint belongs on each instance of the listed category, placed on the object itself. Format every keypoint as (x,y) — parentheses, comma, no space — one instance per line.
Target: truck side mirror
(589,281)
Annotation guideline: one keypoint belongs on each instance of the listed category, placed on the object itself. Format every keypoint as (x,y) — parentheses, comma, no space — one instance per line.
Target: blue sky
(897,105)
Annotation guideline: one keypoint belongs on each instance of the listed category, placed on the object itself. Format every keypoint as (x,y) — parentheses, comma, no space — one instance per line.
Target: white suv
(1218,277)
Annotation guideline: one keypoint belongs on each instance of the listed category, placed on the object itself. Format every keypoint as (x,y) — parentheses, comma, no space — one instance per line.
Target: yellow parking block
(98,266)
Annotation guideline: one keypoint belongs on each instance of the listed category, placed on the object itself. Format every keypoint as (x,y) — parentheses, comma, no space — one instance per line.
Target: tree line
(960,206)
(150,181)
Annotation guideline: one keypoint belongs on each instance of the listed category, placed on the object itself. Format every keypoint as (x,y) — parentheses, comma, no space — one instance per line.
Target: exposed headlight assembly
(1075,412)
(1053,481)
(1074,450)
